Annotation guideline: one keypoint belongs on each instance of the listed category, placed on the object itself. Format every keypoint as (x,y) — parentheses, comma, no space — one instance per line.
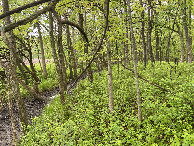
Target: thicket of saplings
(167,118)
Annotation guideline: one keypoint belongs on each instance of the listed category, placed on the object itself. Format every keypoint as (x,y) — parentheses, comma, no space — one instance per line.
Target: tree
(10,42)
(42,50)
(135,59)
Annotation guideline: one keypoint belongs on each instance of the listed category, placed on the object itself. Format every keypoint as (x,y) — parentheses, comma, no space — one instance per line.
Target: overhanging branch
(72,24)
(27,20)
(19,9)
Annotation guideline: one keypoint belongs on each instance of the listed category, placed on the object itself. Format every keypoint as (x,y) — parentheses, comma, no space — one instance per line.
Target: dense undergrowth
(45,83)
(167,118)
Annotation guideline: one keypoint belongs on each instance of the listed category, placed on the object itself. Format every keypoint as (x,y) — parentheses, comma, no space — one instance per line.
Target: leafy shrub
(167,118)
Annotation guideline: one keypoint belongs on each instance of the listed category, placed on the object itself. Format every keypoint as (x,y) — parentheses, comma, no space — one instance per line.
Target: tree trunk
(70,50)
(61,56)
(42,51)
(55,57)
(188,43)
(110,86)
(34,75)
(75,60)
(182,44)
(13,67)
(89,70)
(126,45)
(11,112)
(150,32)
(134,49)
(143,36)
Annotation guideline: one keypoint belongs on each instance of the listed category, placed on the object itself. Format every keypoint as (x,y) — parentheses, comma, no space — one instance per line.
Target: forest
(96,73)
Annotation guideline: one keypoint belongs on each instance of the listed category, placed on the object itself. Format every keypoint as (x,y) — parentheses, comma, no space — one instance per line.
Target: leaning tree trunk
(42,51)
(134,49)
(13,67)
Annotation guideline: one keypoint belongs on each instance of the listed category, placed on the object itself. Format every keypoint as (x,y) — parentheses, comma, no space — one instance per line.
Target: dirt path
(34,108)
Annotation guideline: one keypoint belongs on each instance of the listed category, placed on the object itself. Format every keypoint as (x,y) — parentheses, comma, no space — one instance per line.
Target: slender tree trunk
(182,44)
(75,60)
(61,56)
(89,70)
(42,51)
(143,36)
(13,67)
(188,43)
(150,32)
(126,45)
(55,57)
(34,75)
(110,85)
(69,45)
(157,37)
(134,49)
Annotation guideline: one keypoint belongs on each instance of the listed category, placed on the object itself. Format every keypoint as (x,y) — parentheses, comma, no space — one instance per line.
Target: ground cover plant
(167,118)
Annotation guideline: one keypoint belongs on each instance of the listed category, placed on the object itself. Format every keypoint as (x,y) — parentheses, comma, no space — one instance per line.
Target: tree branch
(72,24)
(19,9)
(98,49)
(148,81)
(27,20)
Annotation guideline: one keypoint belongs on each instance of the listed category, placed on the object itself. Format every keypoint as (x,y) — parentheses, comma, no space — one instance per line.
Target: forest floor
(33,107)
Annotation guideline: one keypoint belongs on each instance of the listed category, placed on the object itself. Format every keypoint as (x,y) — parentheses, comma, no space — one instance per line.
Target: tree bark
(81,23)
(188,40)
(143,35)
(55,57)
(13,67)
(69,45)
(182,44)
(110,85)
(150,32)
(42,51)
(134,49)
(126,45)
(11,110)
(61,56)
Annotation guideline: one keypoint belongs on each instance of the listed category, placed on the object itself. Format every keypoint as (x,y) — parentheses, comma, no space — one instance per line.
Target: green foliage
(167,119)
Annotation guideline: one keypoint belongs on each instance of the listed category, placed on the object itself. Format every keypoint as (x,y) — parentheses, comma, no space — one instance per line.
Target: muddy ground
(34,108)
